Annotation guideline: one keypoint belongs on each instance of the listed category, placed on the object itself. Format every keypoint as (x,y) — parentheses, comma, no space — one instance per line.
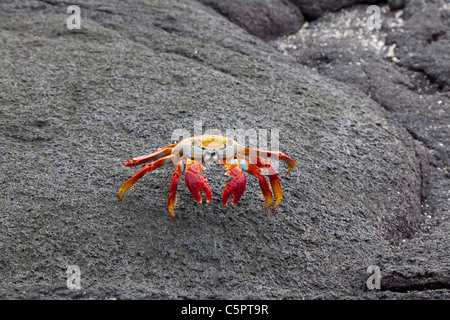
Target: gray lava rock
(313,9)
(341,47)
(423,43)
(75,103)
(265,19)
(396,4)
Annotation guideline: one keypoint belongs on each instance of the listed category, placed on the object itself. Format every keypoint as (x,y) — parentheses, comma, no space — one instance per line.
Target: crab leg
(273,177)
(196,181)
(271,155)
(236,186)
(173,187)
(147,168)
(161,152)
(254,170)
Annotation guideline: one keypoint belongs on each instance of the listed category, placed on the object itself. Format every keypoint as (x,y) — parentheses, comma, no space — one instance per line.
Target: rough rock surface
(265,19)
(404,66)
(313,9)
(342,47)
(422,42)
(75,103)
(274,18)
(396,4)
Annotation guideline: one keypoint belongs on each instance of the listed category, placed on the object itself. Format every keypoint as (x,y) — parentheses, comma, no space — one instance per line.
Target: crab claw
(236,186)
(196,182)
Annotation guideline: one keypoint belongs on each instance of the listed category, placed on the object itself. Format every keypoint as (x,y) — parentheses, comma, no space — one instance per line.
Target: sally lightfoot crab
(190,153)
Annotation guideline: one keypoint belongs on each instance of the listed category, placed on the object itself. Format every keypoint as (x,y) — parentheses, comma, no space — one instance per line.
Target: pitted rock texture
(404,66)
(75,103)
(262,18)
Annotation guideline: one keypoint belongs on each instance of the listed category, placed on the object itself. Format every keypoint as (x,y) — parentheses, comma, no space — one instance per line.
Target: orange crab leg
(254,170)
(173,188)
(147,168)
(270,155)
(196,181)
(161,152)
(236,186)
(273,177)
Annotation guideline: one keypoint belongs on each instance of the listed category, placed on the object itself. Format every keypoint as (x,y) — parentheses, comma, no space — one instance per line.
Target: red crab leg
(236,186)
(173,188)
(254,170)
(273,177)
(270,155)
(161,152)
(196,182)
(147,168)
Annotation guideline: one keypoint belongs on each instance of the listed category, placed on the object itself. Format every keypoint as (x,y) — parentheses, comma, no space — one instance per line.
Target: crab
(190,153)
